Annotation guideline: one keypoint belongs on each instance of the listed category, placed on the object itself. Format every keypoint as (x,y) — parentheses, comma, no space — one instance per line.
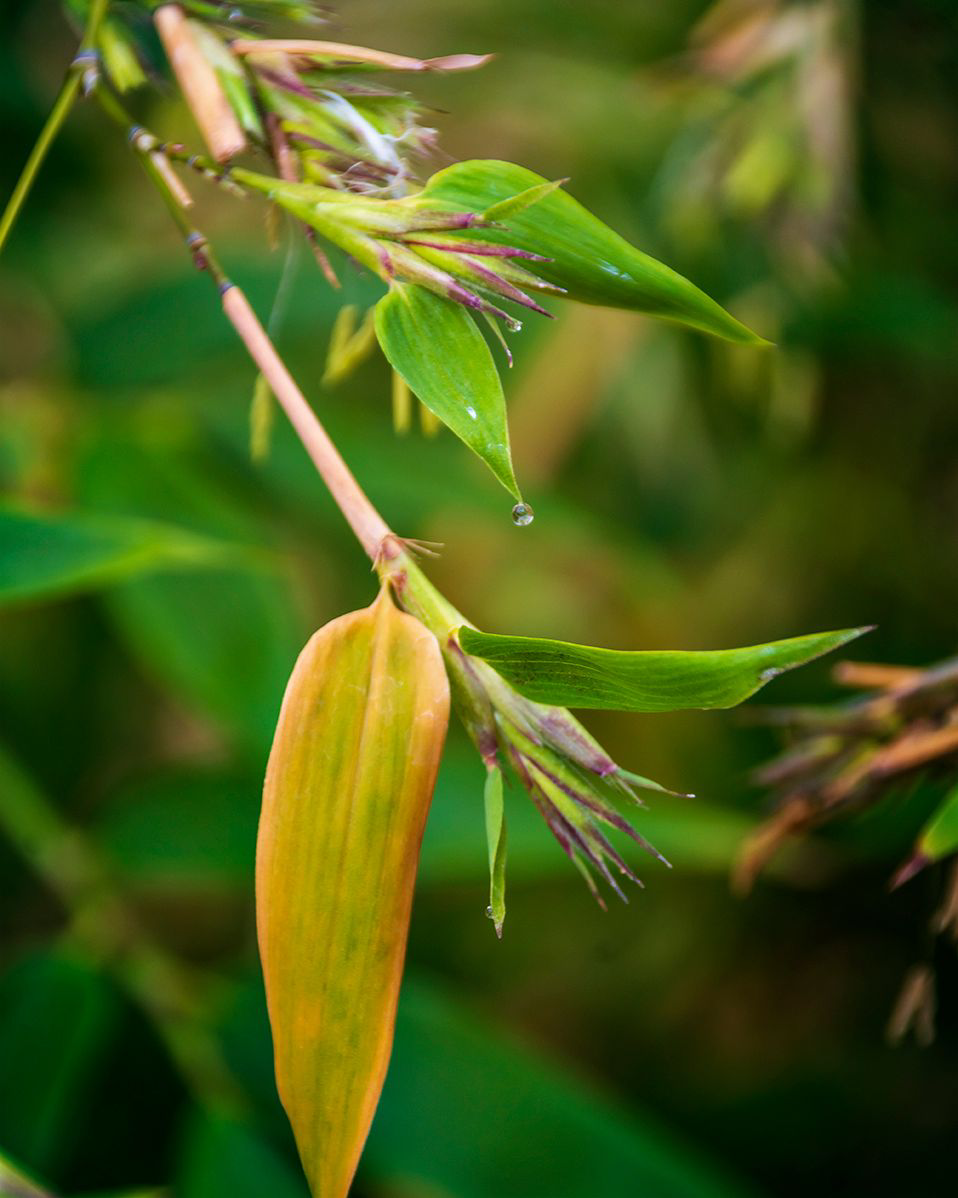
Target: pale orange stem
(362,517)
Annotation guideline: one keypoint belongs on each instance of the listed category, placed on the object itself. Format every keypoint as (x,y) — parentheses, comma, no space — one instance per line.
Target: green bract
(593,263)
(581,676)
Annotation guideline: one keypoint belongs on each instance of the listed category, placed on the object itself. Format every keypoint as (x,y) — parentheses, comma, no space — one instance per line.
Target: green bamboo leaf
(940,835)
(581,676)
(593,263)
(496,840)
(435,345)
(45,555)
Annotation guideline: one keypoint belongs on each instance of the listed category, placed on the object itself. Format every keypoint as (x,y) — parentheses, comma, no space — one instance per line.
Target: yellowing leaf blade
(348,788)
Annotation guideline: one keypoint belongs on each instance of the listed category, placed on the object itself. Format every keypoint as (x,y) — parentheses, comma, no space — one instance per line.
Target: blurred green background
(795,159)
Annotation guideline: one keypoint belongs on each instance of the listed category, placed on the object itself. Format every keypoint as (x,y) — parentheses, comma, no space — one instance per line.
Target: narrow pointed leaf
(348,788)
(48,555)
(593,263)
(582,676)
(496,840)
(435,345)
(940,836)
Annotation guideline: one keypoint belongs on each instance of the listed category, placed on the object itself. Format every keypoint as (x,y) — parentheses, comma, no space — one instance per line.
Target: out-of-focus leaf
(940,836)
(56,1018)
(175,830)
(469,1112)
(224,1158)
(349,345)
(658,680)
(593,263)
(45,555)
(472,1112)
(223,641)
(348,788)
(119,57)
(435,345)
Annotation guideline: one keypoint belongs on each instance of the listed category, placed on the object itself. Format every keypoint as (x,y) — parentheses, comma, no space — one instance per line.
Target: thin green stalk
(54,122)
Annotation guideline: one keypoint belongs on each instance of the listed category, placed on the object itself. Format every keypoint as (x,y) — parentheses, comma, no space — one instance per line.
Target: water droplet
(522,515)
(489,912)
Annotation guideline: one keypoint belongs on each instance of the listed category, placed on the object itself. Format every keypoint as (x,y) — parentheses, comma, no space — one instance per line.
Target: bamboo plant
(318,130)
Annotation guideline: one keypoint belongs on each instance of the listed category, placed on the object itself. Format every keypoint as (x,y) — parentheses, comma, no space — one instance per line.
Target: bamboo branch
(84,61)
(367,524)
(369,527)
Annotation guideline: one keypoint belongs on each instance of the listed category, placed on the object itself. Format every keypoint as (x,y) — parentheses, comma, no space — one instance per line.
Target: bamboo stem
(370,528)
(54,122)
(362,517)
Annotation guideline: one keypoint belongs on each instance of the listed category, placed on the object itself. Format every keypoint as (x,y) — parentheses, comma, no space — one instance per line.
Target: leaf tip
(914,865)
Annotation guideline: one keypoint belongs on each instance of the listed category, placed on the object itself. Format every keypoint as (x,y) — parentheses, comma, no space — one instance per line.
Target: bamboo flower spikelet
(463,256)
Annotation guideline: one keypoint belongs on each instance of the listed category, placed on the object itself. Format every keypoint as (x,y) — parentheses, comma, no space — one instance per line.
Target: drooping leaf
(436,347)
(46,555)
(582,676)
(592,262)
(348,788)
(496,840)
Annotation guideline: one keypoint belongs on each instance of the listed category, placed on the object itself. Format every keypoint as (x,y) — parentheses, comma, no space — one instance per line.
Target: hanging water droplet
(488,912)
(522,515)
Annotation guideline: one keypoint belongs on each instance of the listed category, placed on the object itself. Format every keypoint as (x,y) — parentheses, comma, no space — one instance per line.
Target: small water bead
(522,515)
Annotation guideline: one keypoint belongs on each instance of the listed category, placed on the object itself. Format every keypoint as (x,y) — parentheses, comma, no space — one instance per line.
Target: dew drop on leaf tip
(522,515)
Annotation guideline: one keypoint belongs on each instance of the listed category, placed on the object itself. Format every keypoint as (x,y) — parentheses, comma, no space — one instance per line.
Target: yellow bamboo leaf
(348,788)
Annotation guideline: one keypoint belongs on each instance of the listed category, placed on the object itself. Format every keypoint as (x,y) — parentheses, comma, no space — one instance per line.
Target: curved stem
(54,123)
(370,528)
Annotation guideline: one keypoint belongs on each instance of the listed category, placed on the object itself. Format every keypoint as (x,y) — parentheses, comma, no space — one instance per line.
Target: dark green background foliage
(689,494)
